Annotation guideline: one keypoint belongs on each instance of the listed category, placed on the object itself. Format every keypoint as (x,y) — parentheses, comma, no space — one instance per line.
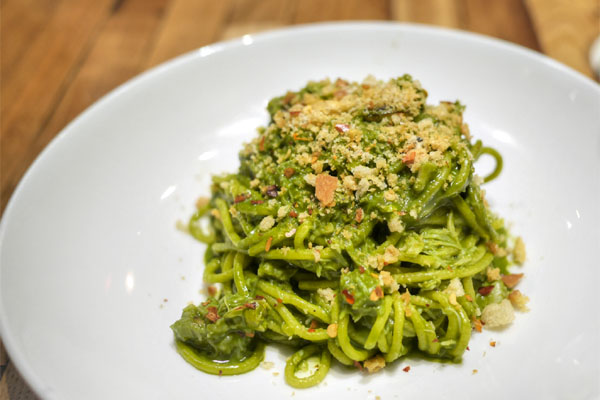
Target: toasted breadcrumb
(518,300)
(455,287)
(374,364)
(519,252)
(493,274)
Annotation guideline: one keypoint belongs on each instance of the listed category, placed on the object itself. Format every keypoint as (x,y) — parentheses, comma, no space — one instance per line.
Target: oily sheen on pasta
(354,231)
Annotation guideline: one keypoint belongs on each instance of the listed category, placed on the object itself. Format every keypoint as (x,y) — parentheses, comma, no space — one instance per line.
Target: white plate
(90,254)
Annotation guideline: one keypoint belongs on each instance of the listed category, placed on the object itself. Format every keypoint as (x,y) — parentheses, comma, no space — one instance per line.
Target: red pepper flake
(272,191)
(314,324)
(295,113)
(249,334)
(293,214)
(427,305)
(511,280)
(469,298)
(493,343)
(250,305)
(240,198)
(485,290)
(259,297)
(409,158)
(212,314)
(468,349)
(342,127)
(261,144)
(220,372)
(279,300)
(358,365)
(361,269)
(436,340)
(212,291)
(477,324)
(359,215)
(288,172)
(401,213)
(376,294)
(406,369)
(268,244)
(309,211)
(311,330)
(348,296)
(255,202)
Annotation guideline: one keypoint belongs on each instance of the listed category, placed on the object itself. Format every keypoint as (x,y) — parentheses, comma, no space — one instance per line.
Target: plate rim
(16,356)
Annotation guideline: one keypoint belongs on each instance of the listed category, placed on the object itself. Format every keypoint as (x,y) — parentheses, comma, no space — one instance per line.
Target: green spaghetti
(355,230)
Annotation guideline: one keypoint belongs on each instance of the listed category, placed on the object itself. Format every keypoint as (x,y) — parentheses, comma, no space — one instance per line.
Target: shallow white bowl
(93,271)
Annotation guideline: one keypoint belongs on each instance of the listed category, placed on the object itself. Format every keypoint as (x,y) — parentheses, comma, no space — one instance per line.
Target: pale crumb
(254,183)
(283,211)
(317,255)
(311,179)
(266,223)
(395,224)
(493,274)
(275,373)
(390,195)
(326,294)
(267,365)
(388,281)
(290,233)
(498,315)
(215,213)
(455,287)
(475,371)
(181,226)
(519,251)
(391,255)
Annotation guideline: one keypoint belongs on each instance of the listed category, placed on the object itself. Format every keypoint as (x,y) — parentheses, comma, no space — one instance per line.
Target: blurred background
(59,56)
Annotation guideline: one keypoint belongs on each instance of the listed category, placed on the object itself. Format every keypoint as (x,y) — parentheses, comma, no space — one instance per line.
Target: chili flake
(348,296)
(268,244)
(485,290)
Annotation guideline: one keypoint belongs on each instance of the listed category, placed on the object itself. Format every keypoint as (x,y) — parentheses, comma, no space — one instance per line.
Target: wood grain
(188,25)
(31,94)
(566,30)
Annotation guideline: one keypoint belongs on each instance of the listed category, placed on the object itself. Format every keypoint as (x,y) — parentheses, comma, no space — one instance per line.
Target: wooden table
(59,56)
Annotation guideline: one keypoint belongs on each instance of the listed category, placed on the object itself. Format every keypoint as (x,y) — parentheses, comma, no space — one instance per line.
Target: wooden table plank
(120,52)
(566,29)
(249,16)
(337,10)
(30,96)
(188,25)
(447,13)
(506,19)
(23,21)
